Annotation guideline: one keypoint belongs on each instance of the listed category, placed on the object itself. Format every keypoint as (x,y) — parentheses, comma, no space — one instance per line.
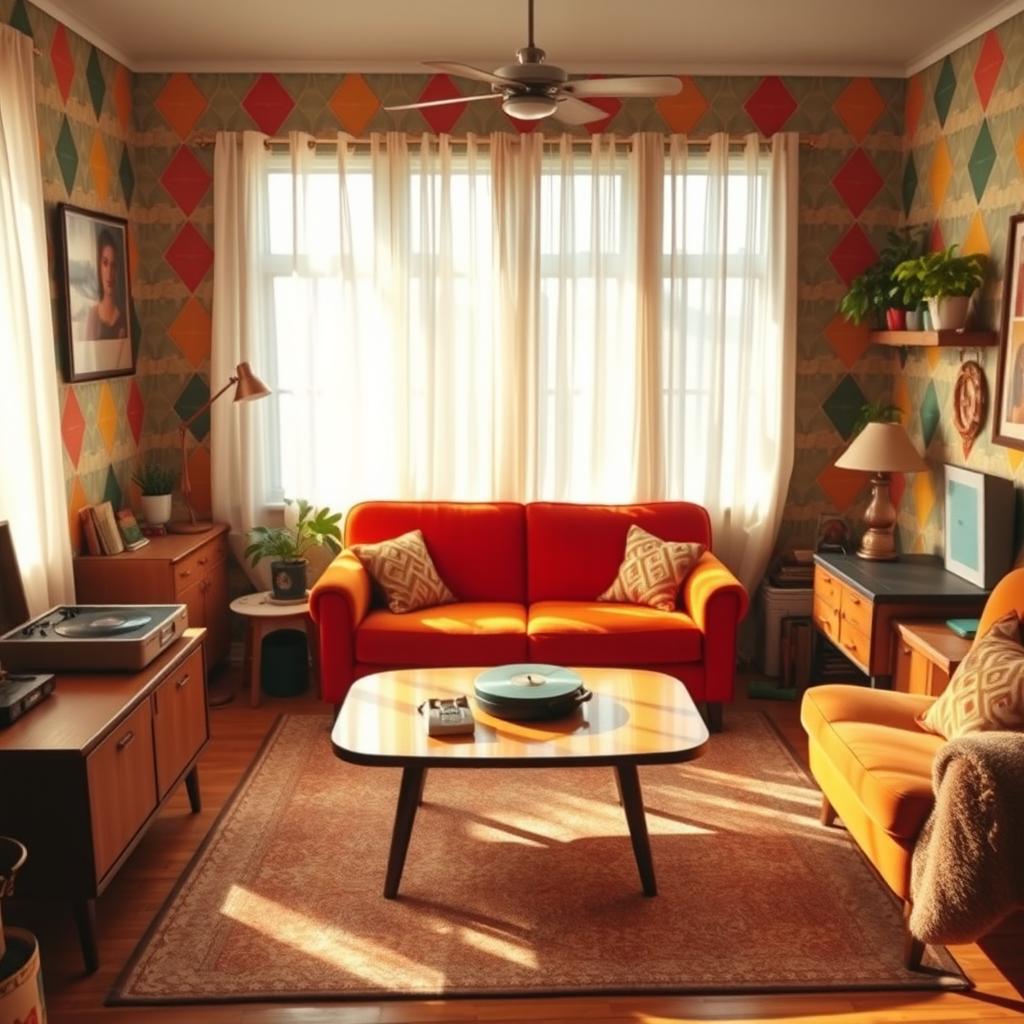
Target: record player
(93,637)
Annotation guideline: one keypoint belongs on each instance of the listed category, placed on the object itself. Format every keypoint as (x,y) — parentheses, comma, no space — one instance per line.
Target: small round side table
(264,616)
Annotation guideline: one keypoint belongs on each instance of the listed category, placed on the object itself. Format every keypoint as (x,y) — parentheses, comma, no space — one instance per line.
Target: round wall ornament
(970,401)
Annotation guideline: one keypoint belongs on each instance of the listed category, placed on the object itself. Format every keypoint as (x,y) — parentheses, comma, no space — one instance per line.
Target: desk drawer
(826,587)
(856,609)
(855,644)
(826,618)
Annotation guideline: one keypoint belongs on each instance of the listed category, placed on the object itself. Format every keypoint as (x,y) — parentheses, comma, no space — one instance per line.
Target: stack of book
(795,569)
(105,533)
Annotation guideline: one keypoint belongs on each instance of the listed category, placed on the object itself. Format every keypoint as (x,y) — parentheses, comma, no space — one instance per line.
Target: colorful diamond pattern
(976,239)
(62,61)
(897,485)
(106,417)
(982,160)
(67,155)
(986,71)
(843,406)
(940,173)
(193,397)
(192,331)
(924,498)
(126,176)
(610,105)
(841,486)
(76,502)
(100,167)
(936,239)
(122,93)
(913,105)
(72,427)
(859,107)
(354,103)
(135,410)
(848,341)
(181,103)
(945,89)
(683,112)
(929,414)
(441,119)
(268,103)
(853,254)
(199,475)
(112,490)
(770,105)
(909,189)
(96,82)
(190,256)
(19,18)
(857,182)
(186,180)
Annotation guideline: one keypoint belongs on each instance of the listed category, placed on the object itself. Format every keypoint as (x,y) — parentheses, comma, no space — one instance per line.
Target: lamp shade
(249,386)
(882,448)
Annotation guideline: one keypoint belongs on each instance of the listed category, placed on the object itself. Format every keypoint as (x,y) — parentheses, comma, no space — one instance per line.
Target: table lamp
(247,387)
(881,449)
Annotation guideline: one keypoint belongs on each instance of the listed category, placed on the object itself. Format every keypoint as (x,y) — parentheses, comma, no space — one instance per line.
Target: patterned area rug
(523,882)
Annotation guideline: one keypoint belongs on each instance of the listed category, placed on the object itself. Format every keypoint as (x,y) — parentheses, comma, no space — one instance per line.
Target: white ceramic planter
(156,508)
(949,312)
(21,991)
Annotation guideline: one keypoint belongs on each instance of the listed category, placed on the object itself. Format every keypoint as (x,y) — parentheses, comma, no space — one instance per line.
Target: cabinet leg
(715,715)
(85,920)
(255,663)
(195,799)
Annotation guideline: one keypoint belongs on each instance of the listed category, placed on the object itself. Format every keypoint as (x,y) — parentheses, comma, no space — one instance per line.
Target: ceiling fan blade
(652,85)
(573,111)
(443,103)
(467,71)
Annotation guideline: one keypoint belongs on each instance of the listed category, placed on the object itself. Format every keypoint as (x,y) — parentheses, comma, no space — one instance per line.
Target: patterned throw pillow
(404,570)
(653,570)
(987,690)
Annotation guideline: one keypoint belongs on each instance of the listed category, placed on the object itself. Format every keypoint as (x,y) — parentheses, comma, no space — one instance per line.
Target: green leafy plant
(876,412)
(314,528)
(875,290)
(155,478)
(942,273)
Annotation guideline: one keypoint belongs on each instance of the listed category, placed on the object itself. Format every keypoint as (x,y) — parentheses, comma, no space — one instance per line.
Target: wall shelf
(944,339)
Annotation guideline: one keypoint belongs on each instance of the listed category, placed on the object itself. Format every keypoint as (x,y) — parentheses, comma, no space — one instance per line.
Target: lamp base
(186,526)
(878,545)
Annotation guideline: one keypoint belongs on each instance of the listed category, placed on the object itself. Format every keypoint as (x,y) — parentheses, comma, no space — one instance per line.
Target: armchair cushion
(652,570)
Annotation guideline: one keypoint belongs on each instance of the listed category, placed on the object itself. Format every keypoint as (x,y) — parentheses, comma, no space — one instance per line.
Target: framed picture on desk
(978,526)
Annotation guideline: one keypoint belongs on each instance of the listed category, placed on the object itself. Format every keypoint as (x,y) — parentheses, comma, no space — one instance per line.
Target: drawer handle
(182,681)
(855,600)
(185,572)
(125,740)
(203,561)
(826,579)
(825,624)
(906,650)
(850,647)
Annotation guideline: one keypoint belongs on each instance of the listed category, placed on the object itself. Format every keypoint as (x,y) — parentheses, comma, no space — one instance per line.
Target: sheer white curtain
(729,338)
(32,493)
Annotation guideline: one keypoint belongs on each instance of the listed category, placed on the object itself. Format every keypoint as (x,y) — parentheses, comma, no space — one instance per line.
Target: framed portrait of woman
(1008,428)
(97,294)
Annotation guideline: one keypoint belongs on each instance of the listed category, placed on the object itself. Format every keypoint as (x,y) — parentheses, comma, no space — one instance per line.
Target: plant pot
(949,312)
(288,580)
(896,319)
(156,509)
(21,982)
(915,320)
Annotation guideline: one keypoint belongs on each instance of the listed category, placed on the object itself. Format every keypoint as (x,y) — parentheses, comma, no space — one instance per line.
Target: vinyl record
(100,624)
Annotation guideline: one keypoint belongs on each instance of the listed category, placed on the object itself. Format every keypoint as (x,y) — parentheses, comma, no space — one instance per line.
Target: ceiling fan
(531,89)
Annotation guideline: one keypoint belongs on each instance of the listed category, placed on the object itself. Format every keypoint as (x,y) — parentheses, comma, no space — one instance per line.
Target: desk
(856,602)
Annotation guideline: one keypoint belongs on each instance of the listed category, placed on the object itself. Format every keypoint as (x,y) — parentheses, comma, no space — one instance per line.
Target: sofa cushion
(987,689)
(403,569)
(470,633)
(652,570)
(574,551)
(594,633)
(479,548)
(872,739)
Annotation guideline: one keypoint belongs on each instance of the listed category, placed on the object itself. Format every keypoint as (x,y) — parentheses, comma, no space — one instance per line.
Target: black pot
(536,709)
(288,580)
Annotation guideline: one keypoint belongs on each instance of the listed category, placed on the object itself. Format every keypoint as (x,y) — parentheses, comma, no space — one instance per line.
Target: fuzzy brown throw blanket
(968,866)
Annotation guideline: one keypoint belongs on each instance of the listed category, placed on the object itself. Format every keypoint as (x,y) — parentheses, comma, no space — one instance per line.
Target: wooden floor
(138,892)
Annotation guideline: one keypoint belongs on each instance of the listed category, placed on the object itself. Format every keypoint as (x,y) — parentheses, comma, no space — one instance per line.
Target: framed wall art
(1008,425)
(978,526)
(97,294)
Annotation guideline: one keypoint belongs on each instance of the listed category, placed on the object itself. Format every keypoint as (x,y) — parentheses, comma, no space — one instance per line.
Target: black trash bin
(285,668)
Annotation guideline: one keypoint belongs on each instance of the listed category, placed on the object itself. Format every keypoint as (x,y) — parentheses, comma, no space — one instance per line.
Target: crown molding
(58,11)
(966,35)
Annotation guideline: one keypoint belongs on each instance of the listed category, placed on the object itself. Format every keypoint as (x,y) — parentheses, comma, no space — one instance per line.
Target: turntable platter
(96,624)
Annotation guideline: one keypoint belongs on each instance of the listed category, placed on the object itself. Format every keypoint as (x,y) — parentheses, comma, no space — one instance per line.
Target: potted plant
(156,482)
(875,293)
(947,281)
(288,546)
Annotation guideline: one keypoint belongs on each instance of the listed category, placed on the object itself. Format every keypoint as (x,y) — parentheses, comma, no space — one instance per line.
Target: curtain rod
(203,140)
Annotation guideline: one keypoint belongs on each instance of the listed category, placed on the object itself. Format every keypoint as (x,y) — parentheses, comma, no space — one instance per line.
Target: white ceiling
(810,37)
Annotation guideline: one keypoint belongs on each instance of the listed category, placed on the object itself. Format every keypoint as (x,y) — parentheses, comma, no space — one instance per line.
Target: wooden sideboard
(187,568)
(857,601)
(927,655)
(87,770)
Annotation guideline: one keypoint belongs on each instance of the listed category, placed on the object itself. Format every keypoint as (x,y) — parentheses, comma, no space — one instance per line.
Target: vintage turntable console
(91,638)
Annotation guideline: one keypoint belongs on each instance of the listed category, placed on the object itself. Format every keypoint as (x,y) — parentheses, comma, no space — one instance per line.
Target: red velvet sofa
(527,579)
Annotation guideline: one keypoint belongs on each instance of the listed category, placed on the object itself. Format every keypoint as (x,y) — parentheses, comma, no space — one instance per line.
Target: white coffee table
(263,616)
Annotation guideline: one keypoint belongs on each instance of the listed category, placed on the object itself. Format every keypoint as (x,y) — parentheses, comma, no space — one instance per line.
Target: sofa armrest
(717,603)
(338,602)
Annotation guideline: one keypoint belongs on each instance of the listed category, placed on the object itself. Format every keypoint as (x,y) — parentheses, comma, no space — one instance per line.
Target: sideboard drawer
(855,644)
(179,721)
(857,610)
(199,563)
(826,618)
(826,587)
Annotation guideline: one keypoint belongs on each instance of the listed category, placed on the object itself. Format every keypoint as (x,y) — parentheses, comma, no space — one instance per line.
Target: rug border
(930,982)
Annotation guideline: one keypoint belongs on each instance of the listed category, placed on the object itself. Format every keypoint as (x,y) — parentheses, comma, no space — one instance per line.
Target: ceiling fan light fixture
(529,108)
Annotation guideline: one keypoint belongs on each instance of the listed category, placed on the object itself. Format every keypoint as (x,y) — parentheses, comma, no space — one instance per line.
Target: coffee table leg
(408,800)
(423,783)
(633,804)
